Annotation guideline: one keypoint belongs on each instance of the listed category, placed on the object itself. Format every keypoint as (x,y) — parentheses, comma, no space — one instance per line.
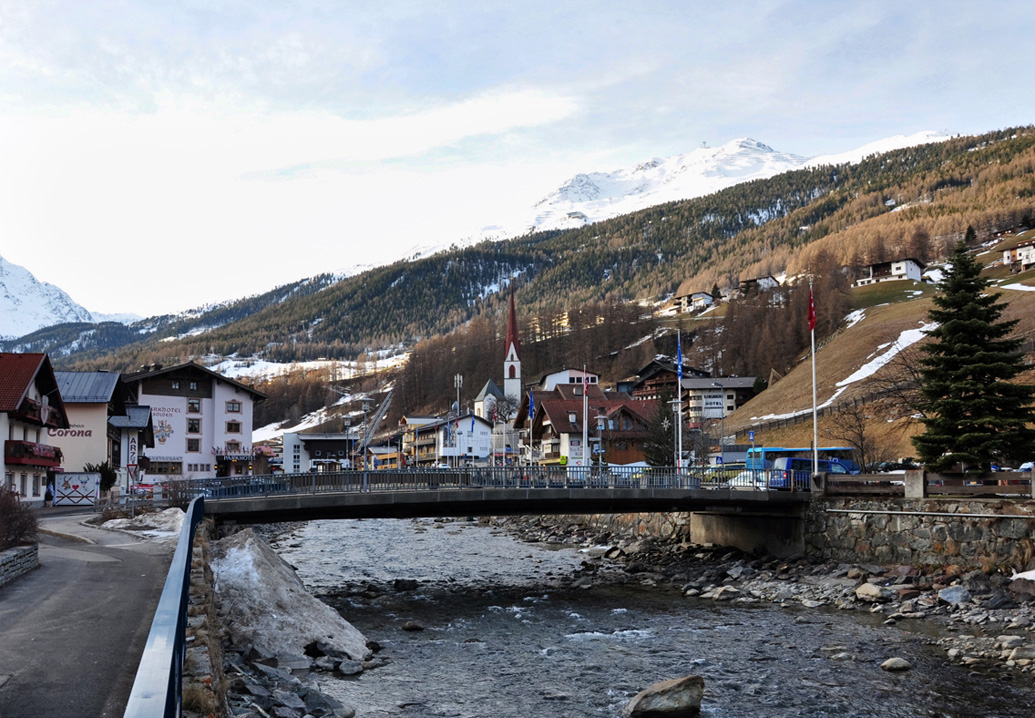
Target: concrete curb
(67,536)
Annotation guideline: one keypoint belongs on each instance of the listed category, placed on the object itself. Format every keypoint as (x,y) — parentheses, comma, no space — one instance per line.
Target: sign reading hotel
(170,421)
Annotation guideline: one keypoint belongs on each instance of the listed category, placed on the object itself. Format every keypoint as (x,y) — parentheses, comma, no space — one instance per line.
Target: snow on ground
(905,339)
(1018,287)
(155,526)
(249,368)
(854,318)
(267,604)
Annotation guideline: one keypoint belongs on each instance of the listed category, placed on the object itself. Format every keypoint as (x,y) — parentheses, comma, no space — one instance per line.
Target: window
(233,447)
(233,407)
(194,445)
(35,484)
(193,426)
(194,406)
(175,384)
(233,427)
(166,467)
(194,386)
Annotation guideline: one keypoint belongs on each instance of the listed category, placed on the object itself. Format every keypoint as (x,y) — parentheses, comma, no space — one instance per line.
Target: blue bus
(762,457)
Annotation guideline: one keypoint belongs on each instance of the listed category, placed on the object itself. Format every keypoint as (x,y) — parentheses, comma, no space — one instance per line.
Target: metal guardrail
(157,688)
(522,477)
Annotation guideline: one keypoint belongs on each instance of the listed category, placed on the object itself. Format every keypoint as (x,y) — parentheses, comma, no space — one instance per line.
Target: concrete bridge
(722,511)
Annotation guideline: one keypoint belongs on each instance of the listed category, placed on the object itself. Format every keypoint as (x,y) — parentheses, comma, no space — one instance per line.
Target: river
(504,634)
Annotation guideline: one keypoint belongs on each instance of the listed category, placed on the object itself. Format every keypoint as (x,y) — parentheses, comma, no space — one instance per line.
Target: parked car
(722,473)
(795,472)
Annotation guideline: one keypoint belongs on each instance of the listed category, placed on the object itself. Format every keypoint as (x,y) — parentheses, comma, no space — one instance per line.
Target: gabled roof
(87,387)
(559,411)
(17,373)
(191,366)
(662,363)
(136,417)
(490,389)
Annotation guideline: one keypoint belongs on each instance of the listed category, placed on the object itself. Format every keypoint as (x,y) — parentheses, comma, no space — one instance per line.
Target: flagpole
(585,413)
(815,425)
(679,404)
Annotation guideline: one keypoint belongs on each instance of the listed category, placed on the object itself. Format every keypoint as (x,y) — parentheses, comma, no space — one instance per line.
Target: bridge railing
(157,687)
(519,477)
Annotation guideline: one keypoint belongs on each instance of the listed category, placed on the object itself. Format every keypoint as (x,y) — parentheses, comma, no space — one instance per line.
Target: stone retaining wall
(903,531)
(896,533)
(665,526)
(18,561)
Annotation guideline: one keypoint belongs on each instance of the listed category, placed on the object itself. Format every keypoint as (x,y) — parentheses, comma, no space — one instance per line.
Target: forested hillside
(911,202)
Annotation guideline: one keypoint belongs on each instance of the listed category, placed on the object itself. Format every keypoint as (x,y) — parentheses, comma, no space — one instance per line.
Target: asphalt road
(73,630)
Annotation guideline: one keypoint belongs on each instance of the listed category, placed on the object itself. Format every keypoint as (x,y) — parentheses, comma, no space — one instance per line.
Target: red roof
(17,374)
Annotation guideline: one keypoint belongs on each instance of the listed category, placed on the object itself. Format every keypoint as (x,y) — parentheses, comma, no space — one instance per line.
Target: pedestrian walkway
(73,630)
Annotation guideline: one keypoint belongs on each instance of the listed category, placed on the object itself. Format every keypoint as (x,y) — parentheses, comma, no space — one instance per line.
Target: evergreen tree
(973,411)
(659,448)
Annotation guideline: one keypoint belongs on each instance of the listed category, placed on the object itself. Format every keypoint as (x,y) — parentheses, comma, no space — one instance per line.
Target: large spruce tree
(974,412)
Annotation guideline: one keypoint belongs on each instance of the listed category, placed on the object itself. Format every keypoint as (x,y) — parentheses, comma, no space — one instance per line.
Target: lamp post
(722,429)
(458,381)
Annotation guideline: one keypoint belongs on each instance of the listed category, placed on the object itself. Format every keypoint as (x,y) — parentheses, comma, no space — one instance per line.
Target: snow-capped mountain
(27,304)
(592,197)
(588,198)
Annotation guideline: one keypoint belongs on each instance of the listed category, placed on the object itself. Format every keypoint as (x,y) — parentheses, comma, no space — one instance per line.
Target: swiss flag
(812,312)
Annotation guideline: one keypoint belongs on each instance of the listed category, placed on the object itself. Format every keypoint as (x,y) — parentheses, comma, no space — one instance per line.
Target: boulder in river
(675,698)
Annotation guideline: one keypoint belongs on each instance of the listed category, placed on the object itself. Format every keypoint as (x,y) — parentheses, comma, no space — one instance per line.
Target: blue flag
(679,356)
(531,406)
(472,423)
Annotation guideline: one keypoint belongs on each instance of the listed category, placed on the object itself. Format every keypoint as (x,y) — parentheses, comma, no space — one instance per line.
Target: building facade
(891,271)
(30,407)
(103,427)
(202,421)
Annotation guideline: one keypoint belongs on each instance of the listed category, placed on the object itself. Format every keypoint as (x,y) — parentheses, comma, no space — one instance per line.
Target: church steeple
(512,358)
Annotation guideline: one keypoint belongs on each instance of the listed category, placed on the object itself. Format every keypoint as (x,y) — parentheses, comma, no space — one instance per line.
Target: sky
(160,156)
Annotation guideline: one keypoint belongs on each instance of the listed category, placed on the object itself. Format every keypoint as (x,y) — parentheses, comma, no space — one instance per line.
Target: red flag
(812,312)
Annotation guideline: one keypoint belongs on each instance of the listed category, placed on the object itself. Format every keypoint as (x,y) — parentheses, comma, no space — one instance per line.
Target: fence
(157,686)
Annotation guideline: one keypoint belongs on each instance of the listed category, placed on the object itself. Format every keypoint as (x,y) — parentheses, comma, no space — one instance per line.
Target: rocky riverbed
(983,621)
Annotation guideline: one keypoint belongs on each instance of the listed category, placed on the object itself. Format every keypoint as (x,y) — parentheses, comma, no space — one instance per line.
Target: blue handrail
(157,688)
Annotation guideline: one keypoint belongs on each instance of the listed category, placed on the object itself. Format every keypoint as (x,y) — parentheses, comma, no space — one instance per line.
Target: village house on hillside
(30,406)
(758,284)
(688,303)
(1021,256)
(661,375)
(890,271)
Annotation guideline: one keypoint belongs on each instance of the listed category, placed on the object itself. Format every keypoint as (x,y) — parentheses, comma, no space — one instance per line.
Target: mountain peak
(594,196)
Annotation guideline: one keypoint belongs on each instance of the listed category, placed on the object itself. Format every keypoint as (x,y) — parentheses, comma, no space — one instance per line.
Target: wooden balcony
(28,453)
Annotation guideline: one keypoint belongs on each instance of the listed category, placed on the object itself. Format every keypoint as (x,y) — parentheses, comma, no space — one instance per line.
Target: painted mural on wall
(76,489)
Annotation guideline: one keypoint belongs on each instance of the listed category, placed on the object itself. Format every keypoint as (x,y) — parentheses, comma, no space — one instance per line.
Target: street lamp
(722,429)
(676,411)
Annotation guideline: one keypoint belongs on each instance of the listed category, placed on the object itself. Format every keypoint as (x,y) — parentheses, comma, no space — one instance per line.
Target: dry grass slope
(839,356)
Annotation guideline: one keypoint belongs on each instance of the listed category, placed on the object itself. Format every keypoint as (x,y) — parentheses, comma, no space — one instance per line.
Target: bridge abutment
(778,535)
